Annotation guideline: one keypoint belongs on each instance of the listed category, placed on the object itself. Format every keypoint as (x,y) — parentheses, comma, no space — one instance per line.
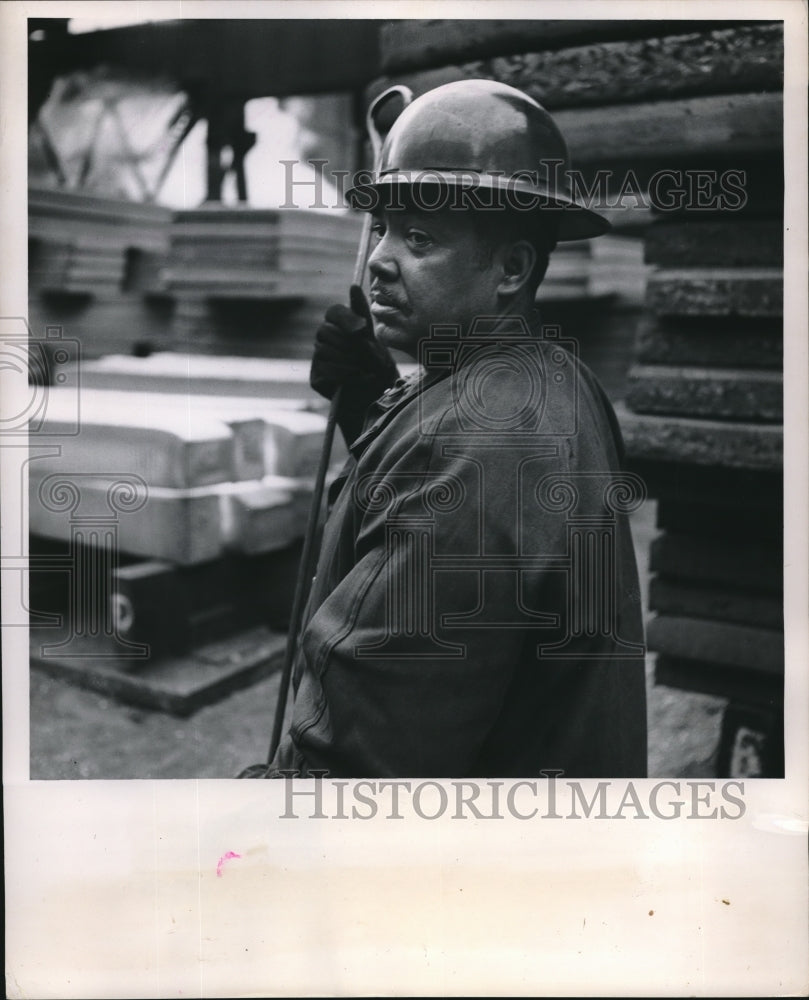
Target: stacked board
(257,281)
(166,517)
(706,430)
(94,269)
(124,277)
(705,427)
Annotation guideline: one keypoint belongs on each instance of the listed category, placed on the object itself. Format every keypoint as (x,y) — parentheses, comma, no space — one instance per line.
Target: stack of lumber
(257,281)
(94,268)
(222,252)
(120,276)
(217,474)
(705,429)
(199,493)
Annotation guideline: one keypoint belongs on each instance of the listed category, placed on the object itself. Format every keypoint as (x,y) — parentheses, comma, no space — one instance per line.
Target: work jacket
(476,610)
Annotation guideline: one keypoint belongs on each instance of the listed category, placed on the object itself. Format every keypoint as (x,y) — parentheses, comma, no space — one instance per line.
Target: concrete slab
(179,686)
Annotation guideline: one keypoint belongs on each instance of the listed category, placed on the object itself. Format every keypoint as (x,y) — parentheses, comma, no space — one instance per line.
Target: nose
(382,262)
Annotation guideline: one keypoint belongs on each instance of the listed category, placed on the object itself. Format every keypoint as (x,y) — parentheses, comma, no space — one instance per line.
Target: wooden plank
(687,440)
(744,58)
(716,292)
(727,645)
(716,341)
(48,261)
(63,265)
(53,202)
(222,223)
(217,233)
(413,44)
(179,372)
(725,60)
(737,563)
(238,285)
(186,406)
(104,326)
(179,686)
(158,446)
(184,526)
(675,131)
(228,269)
(715,393)
(265,516)
(114,222)
(676,599)
(293,441)
(259,327)
(247,418)
(726,243)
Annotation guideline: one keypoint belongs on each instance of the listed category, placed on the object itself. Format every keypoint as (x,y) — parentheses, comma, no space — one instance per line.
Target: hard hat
(481,137)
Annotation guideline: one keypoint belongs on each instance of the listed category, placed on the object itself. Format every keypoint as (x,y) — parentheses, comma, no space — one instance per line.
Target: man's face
(427,268)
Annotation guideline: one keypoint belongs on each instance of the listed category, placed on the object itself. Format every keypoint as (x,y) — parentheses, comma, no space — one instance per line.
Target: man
(475,611)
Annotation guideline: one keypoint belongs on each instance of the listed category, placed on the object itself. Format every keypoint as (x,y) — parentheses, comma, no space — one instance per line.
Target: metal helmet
(483,138)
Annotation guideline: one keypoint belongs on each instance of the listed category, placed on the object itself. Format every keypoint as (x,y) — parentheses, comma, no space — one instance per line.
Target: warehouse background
(162,271)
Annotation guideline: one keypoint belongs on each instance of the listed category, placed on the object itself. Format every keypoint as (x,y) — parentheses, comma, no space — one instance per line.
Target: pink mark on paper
(221,863)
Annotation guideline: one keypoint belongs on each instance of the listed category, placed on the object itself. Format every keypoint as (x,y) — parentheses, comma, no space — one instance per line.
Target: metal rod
(305,571)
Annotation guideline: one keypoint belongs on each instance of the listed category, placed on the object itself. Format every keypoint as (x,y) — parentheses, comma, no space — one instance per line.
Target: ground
(79,734)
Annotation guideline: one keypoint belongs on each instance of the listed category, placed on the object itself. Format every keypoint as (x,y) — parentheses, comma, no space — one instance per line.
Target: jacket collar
(400,395)
(404,390)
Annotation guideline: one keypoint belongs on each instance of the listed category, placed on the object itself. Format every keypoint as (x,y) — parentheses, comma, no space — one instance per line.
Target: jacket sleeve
(410,657)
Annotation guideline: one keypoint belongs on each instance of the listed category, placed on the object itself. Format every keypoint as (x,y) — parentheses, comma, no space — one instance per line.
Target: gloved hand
(347,354)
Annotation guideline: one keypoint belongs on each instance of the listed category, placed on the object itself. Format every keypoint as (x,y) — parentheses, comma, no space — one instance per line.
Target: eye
(418,239)
(378,229)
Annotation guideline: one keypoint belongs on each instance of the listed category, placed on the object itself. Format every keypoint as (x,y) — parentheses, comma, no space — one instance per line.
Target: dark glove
(347,354)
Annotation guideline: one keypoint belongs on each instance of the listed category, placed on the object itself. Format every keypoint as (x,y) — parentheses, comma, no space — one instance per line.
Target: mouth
(382,302)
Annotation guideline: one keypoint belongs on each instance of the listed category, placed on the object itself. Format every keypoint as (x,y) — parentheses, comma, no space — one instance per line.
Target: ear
(518,262)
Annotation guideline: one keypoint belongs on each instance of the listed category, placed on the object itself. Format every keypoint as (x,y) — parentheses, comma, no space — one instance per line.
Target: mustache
(383,297)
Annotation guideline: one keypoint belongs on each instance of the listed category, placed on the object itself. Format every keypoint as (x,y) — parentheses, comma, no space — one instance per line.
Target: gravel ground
(80,734)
